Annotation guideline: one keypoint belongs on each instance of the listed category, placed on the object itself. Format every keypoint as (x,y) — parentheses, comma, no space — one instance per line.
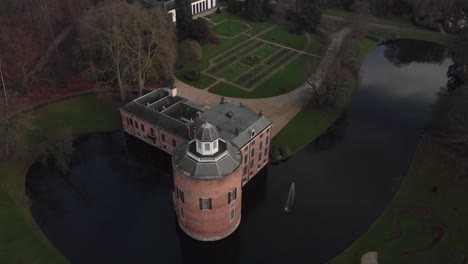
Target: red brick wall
(211,224)
(247,150)
(143,134)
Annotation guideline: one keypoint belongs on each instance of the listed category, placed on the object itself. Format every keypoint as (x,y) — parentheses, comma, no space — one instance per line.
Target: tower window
(232,195)
(136,124)
(267,139)
(215,144)
(182,215)
(180,195)
(261,145)
(251,164)
(174,143)
(232,215)
(152,132)
(259,156)
(245,158)
(142,127)
(163,137)
(207,146)
(205,203)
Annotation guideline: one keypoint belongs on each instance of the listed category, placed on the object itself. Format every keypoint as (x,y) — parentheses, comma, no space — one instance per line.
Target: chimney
(237,131)
(198,115)
(192,130)
(223,101)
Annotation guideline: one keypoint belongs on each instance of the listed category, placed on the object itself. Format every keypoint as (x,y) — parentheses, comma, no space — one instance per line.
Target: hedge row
(234,56)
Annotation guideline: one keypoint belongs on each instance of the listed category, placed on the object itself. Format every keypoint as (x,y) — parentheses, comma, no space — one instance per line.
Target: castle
(215,152)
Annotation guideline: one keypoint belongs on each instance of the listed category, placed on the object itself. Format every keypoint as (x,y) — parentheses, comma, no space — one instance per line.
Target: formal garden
(252,59)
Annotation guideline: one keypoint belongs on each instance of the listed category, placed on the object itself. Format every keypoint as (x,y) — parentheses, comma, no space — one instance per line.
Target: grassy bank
(21,240)
(429,199)
(312,119)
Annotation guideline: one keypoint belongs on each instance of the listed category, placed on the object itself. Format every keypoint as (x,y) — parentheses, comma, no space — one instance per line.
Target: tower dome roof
(207,133)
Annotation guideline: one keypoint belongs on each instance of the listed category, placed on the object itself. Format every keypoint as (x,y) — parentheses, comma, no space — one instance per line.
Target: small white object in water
(290,200)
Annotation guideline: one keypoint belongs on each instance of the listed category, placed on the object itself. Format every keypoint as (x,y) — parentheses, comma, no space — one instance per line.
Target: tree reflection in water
(402,52)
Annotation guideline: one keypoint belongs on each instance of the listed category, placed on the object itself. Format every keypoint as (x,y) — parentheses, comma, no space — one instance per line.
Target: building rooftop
(236,123)
(172,114)
(207,170)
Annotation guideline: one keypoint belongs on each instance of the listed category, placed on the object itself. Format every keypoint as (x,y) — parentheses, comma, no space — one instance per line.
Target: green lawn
(230,28)
(257,27)
(233,71)
(446,210)
(21,241)
(285,80)
(283,37)
(266,51)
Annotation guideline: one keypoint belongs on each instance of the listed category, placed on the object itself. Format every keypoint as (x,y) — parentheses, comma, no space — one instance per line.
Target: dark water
(116,206)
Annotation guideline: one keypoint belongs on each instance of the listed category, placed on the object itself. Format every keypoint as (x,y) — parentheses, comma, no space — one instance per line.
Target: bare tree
(99,38)
(59,151)
(333,88)
(140,43)
(359,21)
(13,132)
(190,51)
(151,40)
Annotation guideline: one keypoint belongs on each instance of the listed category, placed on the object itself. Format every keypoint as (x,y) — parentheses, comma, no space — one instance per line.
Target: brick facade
(215,223)
(159,138)
(251,164)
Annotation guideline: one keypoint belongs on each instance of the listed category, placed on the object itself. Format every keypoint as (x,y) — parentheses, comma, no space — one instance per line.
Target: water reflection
(343,181)
(402,52)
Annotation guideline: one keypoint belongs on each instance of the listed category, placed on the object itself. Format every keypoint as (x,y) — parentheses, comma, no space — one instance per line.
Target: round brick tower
(207,185)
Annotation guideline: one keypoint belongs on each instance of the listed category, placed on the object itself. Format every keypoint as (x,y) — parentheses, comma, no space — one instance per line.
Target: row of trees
(450,119)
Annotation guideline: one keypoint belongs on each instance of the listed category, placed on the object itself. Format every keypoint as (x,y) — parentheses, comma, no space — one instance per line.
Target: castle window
(252,134)
(232,195)
(136,124)
(180,195)
(266,152)
(142,127)
(245,158)
(251,164)
(152,132)
(259,156)
(266,140)
(261,145)
(253,153)
(163,137)
(182,215)
(245,170)
(207,146)
(232,215)
(174,143)
(205,203)
(131,121)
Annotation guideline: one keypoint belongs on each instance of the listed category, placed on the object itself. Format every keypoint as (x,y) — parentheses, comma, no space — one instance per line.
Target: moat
(116,207)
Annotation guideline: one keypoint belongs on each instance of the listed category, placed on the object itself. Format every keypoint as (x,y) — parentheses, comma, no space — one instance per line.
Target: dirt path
(280,109)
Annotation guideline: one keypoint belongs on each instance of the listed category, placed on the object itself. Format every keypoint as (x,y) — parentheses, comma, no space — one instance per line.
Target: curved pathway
(280,109)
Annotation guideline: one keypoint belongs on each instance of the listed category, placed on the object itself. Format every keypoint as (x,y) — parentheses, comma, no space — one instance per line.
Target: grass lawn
(21,241)
(316,46)
(312,120)
(257,27)
(446,210)
(266,51)
(232,72)
(209,51)
(202,83)
(284,81)
(230,28)
(282,36)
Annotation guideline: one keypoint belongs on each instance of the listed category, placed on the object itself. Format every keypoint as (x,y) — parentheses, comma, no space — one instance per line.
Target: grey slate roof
(229,117)
(207,133)
(156,118)
(170,5)
(206,170)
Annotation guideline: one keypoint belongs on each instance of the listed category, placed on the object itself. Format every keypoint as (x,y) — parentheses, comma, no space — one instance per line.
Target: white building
(198,6)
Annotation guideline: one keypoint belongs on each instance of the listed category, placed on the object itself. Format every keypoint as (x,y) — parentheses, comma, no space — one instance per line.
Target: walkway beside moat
(280,109)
